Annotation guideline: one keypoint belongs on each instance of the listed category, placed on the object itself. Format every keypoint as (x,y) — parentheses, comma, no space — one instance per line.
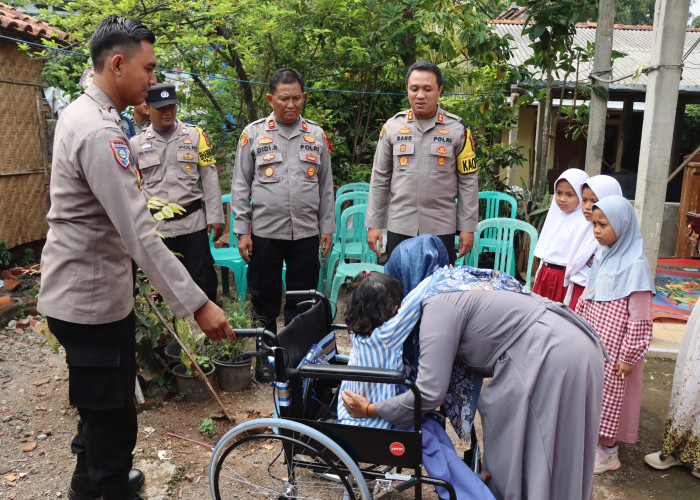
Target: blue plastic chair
(354,241)
(351,219)
(504,242)
(352,186)
(230,257)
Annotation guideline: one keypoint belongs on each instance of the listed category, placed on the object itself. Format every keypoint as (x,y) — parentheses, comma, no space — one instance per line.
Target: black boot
(121,490)
(81,488)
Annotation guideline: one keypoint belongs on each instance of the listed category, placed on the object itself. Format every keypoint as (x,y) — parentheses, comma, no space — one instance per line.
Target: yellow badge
(409,116)
(381,133)
(403,161)
(311,157)
(466,160)
(404,130)
(188,157)
(269,171)
(442,131)
(440,117)
(206,156)
(188,168)
(304,126)
(309,138)
(311,171)
(442,150)
(242,141)
(265,140)
(269,157)
(187,140)
(441,161)
(402,148)
(270,124)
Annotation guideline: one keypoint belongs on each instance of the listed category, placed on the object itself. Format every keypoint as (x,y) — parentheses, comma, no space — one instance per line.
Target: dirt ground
(37,424)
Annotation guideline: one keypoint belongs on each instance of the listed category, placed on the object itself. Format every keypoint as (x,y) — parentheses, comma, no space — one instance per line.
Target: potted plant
(232,360)
(188,379)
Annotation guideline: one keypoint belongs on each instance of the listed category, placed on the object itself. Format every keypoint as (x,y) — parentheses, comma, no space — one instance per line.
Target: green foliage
(691,129)
(49,338)
(5,255)
(635,12)
(533,204)
(191,343)
(150,331)
(27,257)
(207,428)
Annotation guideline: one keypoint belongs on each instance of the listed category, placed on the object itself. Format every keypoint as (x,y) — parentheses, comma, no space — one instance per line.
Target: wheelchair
(303,453)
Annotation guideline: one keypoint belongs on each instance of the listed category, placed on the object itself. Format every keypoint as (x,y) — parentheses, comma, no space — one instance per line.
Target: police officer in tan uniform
(424,160)
(98,221)
(177,166)
(283,165)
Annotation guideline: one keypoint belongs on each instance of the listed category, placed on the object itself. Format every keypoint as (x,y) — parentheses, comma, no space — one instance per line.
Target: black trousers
(102,374)
(265,276)
(197,259)
(393,239)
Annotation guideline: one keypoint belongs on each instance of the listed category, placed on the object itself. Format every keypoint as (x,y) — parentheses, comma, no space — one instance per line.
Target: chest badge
(269,172)
(311,171)
(311,157)
(188,168)
(402,148)
(187,140)
(265,140)
(309,138)
(188,157)
(404,130)
(442,131)
(269,157)
(441,161)
(146,145)
(403,161)
(121,152)
(442,150)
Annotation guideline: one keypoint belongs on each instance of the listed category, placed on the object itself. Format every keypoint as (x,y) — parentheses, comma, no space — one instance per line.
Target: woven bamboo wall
(23,196)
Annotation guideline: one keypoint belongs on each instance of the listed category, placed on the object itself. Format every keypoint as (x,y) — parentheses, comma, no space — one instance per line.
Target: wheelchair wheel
(282,459)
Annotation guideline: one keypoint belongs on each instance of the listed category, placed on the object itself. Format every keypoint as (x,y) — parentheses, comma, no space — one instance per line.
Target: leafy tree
(634,12)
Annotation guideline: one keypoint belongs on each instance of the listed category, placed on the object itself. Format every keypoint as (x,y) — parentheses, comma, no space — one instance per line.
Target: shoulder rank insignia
(309,138)
(265,140)
(442,131)
(187,140)
(311,171)
(304,126)
(121,152)
(404,130)
(311,157)
(409,116)
(270,124)
(381,133)
(243,140)
(440,117)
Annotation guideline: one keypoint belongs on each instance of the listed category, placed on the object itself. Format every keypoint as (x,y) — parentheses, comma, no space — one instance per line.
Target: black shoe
(81,488)
(263,370)
(119,491)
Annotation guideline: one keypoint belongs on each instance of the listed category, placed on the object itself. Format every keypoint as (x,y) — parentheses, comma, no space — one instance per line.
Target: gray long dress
(541,410)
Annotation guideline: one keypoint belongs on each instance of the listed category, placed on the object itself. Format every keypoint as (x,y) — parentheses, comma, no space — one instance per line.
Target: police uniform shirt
(288,177)
(98,220)
(172,169)
(417,174)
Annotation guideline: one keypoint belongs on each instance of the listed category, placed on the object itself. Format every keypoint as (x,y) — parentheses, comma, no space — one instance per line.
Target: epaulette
(401,113)
(453,116)
(311,122)
(257,121)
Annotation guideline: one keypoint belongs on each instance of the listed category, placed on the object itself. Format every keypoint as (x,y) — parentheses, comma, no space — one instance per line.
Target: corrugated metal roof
(13,20)
(635,41)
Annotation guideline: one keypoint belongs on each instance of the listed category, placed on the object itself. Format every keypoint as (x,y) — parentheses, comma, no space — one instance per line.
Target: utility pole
(601,69)
(670,22)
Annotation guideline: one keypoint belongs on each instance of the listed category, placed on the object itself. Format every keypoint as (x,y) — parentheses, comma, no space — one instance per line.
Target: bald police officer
(98,221)
(177,166)
(283,166)
(424,160)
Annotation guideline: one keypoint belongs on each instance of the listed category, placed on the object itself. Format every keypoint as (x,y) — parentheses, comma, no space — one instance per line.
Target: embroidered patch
(402,148)
(121,152)
(442,150)
(328,142)
(404,130)
(309,138)
(269,157)
(311,171)
(442,131)
(188,157)
(440,117)
(188,168)
(311,157)
(381,133)
(242,141)
(270,124)
(187,140)
(304,126)
(202,135)
(409,116)
(441,161)
(269,171)
(403,161)
(265,140)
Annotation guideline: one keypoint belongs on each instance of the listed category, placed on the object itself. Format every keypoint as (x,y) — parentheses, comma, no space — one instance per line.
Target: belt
(189,210)
(554,266)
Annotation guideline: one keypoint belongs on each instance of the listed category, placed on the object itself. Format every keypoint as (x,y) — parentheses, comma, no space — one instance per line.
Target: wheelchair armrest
(356,373)
(342,359)
(339,326)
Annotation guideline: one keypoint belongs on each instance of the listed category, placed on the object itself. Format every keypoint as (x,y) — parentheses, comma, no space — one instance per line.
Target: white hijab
(622,267)
(560,229)
(576,269)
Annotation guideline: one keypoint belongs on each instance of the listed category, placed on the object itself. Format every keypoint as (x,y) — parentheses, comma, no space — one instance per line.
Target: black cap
(161,95)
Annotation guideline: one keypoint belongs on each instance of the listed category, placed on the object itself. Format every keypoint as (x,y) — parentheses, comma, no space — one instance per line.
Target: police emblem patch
(269,171)
(121,152)
(442,150)
(187,140)
(381,133)
(188,168)
(442,131)
(188,157)
(265,140)
(269,157)
(404,130)
(402,148)
(242,141)
(311,157)
(328,141)
(311,171)
(309,138)
(441,161)
(403,161)
(164,94)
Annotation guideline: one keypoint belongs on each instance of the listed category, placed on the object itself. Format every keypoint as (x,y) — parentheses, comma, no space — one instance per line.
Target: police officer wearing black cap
(177,166)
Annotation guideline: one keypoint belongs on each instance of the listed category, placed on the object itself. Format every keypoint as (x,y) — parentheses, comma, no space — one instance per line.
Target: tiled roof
(13,20)
(635,41)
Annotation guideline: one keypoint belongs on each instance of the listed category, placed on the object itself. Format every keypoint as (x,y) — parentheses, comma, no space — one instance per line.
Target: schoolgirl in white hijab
(576,276)
(564,225)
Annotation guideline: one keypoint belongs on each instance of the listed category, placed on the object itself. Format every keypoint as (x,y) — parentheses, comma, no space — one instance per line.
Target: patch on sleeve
(206,157)
(121,152)
(381,134)
(466,160)
(243,140)
(328,141)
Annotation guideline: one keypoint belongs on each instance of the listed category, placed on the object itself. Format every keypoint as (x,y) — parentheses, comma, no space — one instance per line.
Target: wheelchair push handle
(266,337)
(305,293)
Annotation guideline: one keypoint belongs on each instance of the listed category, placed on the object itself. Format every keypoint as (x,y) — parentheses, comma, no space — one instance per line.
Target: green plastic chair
(351,219)
(504,250)
(230,257)
(494,200)
(354,241)
(352,186)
